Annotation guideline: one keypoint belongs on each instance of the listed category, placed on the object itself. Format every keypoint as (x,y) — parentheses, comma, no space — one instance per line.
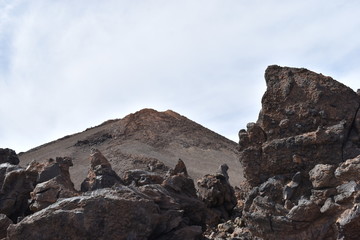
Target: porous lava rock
(302,159)
(306,119)
(218,195)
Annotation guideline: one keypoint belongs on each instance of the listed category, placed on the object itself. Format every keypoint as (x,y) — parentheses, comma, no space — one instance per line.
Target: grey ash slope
(141,138)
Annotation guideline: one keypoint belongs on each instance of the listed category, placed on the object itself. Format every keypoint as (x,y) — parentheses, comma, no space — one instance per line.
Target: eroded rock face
(305,119)
(100,174)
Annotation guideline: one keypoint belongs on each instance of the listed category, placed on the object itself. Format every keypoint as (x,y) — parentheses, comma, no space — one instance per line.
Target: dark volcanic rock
(104,214)
(167,211)
(322,176)
(4,224)
(349,170)
(308,130)
(54,182)
(141,177)
(17,183)
(100,174)
(305,120)
(8,156)
(217,194)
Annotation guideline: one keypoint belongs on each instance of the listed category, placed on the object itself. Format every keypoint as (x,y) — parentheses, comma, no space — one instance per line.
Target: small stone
(284,123)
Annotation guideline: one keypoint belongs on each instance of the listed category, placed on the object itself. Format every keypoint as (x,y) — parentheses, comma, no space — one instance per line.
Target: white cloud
(68,65)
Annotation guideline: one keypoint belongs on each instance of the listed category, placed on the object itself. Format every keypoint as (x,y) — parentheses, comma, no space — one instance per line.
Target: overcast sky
(68,65)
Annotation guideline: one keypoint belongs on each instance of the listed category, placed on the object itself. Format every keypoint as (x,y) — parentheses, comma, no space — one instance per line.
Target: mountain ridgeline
(143,137)
(294,175)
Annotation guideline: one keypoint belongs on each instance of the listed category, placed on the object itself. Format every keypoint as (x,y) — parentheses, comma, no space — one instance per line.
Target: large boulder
(103,214)
(16,185)
(305,119)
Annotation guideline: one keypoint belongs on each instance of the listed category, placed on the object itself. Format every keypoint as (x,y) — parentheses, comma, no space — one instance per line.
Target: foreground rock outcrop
(168,208)
(306,118)
(301,158)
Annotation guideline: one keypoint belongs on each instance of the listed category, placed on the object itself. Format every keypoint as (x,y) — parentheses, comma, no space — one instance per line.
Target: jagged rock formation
(141,140)
(302,157)
(53,182)
(218,195)
(100,174)
(306,118)
(170,210)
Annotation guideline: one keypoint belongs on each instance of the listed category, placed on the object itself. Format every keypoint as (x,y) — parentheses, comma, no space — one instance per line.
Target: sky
(69,65)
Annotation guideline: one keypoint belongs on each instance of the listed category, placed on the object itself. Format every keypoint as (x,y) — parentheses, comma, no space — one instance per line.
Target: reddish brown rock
(58,186)
(218,195)
(349,170)
(322,176)
(100,174)
(305,120)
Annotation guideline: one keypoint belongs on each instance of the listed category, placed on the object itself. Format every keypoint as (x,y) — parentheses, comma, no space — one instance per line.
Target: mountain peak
(143,136)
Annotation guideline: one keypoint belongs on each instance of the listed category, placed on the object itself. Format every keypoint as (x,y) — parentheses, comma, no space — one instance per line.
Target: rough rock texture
(104,214)
(100,174)
(306,119)
(16,185)
(4,224)
(54,182)
(141,177)
(218,195)
(8,156)
(170,210)
(302,159)
(329,212)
